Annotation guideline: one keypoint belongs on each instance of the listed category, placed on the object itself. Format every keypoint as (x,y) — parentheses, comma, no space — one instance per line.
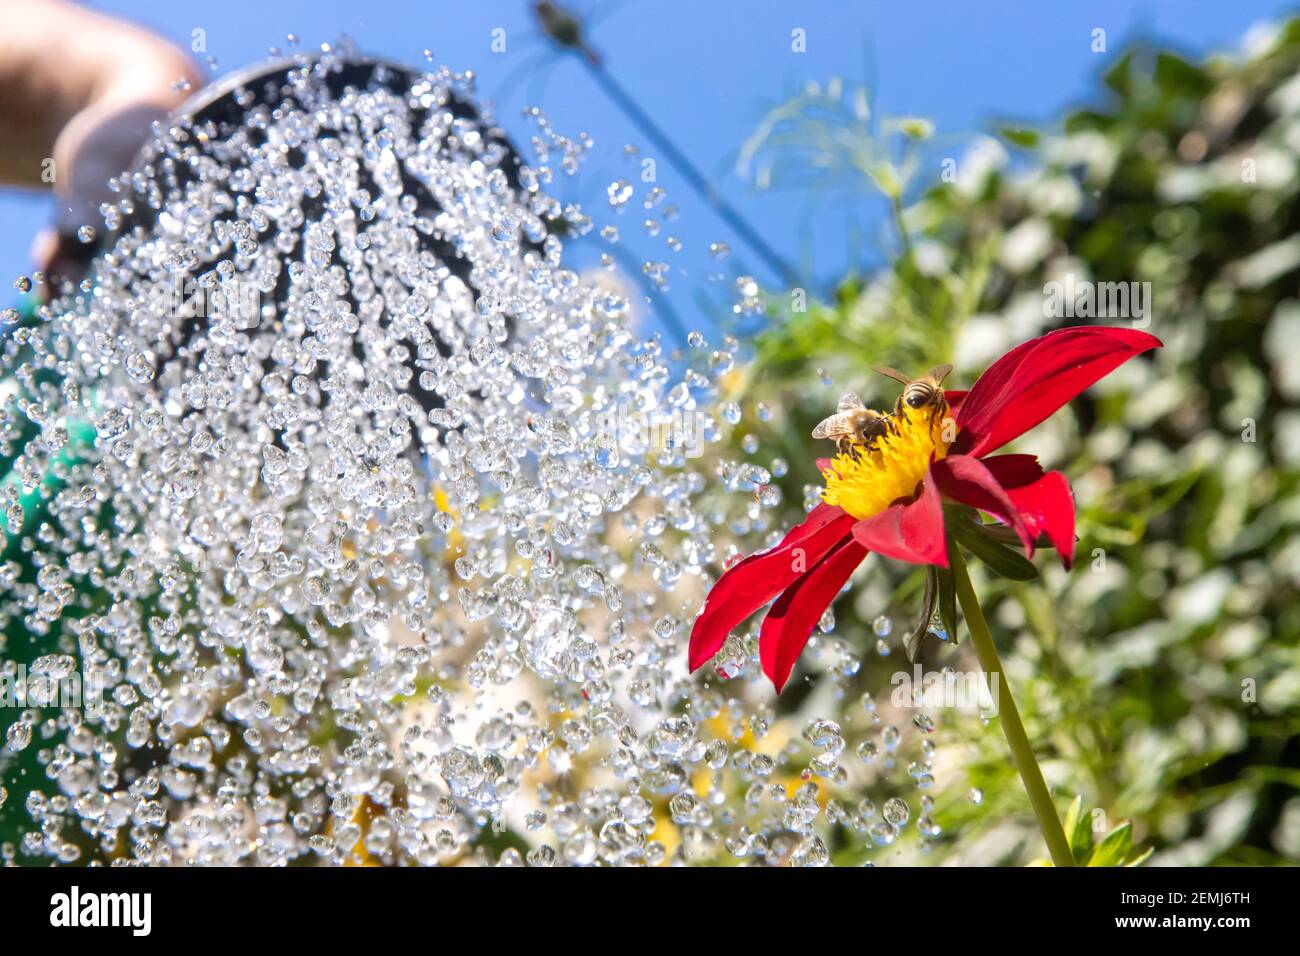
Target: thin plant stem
(904,244)
(1022,755)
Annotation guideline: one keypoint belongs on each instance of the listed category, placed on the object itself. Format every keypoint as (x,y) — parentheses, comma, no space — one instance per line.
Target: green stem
(896,207)
(1022,755)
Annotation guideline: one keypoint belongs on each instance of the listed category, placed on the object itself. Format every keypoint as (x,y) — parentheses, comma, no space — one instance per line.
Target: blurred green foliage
(1159,679)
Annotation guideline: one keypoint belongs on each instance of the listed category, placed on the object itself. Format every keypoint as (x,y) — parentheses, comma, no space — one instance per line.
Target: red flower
(890,499)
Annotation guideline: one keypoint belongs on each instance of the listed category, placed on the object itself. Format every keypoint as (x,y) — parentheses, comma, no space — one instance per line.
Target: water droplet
(18,736)
(896,812)
(619,193)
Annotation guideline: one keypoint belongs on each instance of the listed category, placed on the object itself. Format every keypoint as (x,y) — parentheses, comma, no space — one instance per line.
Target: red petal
(908,531)
(789,624)
(1014,471)
(1036,378)
(747,586)
(965,479)
(1043,500)
(955,397)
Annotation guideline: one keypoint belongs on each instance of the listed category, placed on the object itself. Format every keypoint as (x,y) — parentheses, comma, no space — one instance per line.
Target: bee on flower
(886,493)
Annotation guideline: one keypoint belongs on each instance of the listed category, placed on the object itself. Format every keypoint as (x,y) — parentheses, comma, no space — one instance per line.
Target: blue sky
(707,72)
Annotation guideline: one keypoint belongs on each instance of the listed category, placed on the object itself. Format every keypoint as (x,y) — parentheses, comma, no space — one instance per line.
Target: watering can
(215,112)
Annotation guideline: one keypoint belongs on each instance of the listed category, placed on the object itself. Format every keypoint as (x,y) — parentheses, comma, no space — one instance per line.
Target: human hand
(99,143)
(79,92)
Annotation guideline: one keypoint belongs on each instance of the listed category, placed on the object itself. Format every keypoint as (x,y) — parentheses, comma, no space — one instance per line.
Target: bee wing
(849,402)
(832,426)
(893,373)
(939,373)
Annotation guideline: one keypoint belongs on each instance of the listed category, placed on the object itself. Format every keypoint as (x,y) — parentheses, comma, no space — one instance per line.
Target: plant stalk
(1022,755)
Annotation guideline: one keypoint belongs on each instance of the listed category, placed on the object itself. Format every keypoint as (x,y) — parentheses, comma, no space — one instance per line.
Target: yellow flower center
(896,463)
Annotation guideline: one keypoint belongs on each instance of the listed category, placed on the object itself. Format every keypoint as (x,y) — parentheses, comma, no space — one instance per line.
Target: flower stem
(1022,755)
(896,207)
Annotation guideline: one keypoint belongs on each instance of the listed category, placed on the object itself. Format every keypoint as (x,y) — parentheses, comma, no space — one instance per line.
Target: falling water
(373,530)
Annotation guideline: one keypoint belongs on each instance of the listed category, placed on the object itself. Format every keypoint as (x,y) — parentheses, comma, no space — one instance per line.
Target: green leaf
(1177,77)
(947,602)
(1120,77)
(1078,830)
(997,558)
(885,176)
(922,628)
(1141,857)
(999,533)
(1028,138)
(1112,850)
(1004,535)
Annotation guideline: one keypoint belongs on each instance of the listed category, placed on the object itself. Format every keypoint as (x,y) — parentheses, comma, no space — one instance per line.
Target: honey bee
(853,426)
(927,390)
